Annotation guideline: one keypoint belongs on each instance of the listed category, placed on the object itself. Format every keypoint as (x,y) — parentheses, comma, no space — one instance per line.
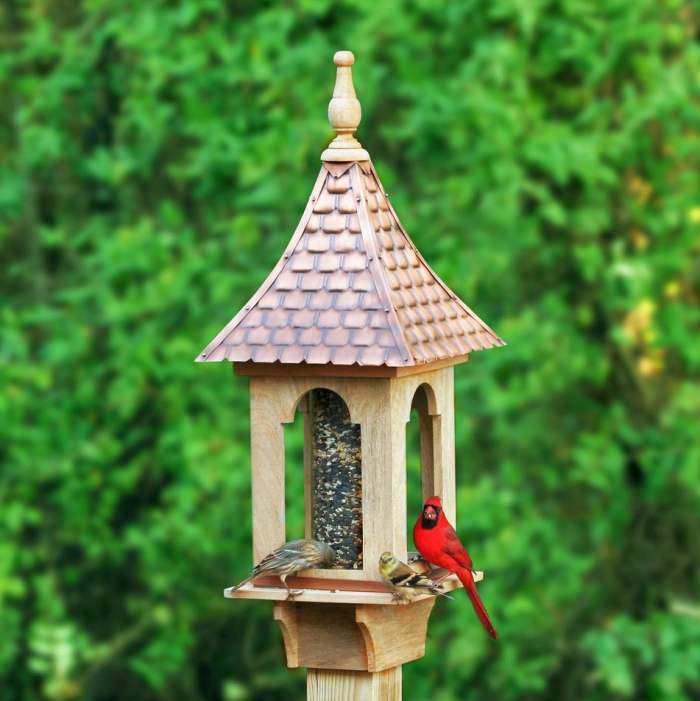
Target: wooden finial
(344,114)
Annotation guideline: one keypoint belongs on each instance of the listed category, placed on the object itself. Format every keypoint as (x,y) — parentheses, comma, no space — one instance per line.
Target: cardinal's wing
(455,549)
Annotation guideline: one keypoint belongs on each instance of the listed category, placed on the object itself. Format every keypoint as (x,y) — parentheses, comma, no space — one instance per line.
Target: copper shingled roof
(351,287)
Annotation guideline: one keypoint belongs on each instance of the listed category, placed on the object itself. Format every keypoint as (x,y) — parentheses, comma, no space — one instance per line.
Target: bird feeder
(353,329)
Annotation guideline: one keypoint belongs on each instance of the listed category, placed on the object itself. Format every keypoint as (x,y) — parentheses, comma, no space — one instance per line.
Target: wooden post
(267,462)
(340,685)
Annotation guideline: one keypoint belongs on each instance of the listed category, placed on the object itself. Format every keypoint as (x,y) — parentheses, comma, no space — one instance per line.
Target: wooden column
(267,463)
(383,473)
(444,442)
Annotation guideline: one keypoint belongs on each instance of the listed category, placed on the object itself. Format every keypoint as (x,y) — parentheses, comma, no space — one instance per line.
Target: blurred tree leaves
(544,156)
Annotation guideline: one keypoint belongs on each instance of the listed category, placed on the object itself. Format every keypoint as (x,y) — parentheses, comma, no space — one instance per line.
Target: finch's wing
(284,554)
(269,562)
(293,547)
(405,576)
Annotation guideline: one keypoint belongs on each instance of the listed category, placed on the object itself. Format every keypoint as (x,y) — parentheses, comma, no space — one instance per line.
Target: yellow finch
(406,582)
(290,558)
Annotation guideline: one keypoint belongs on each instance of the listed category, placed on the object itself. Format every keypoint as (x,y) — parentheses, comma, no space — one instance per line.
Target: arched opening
(328,445)
(420,456)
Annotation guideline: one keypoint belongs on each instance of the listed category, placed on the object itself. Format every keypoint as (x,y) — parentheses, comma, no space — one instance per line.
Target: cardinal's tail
(467,580)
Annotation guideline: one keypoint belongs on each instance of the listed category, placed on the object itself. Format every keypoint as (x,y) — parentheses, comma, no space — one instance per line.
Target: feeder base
(368,638)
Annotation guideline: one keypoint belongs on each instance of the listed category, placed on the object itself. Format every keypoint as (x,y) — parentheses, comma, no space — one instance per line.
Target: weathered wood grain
(336,685)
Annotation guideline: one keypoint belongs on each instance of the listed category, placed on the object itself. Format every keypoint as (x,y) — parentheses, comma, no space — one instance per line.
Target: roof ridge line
(416,250)
(368,237)
(266,284)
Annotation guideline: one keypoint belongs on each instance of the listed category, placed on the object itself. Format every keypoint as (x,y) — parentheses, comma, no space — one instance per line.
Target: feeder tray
(334,591)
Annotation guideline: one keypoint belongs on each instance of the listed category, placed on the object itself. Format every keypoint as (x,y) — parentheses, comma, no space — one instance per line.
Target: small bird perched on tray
(406,582)
(290,558)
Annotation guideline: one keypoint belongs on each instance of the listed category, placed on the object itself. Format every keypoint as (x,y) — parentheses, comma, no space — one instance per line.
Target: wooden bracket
(356,637)
(394,635)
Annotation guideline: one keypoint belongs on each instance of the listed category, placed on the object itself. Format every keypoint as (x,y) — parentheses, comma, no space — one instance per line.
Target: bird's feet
(399,598)
(293,593)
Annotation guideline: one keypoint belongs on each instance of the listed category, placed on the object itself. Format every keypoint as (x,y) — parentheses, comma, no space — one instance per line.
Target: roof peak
(344,114)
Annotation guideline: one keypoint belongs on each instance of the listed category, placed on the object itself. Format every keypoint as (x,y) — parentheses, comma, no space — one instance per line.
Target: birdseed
(336,478)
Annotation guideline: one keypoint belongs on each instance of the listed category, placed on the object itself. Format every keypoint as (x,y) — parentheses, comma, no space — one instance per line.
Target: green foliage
(157,155)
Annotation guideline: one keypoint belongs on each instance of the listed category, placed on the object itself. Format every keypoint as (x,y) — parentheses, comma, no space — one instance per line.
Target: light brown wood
(286,616)
(320,596)
(267,472)
(359,637)
(330,638)
(444,442)
(251,369)
(384,477)
(336,685)
(308,459)
(324,636)
(381,407)
(344,114)
(394,635)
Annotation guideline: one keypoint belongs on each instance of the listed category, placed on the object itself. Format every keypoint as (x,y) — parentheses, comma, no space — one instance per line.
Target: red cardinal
(439,545)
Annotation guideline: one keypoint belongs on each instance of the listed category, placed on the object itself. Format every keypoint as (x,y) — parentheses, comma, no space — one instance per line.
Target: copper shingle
(351,288)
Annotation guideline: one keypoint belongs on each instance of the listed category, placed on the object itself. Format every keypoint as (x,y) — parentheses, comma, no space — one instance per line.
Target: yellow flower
(637,322)
(672,289)
(650,365)
(639,188)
